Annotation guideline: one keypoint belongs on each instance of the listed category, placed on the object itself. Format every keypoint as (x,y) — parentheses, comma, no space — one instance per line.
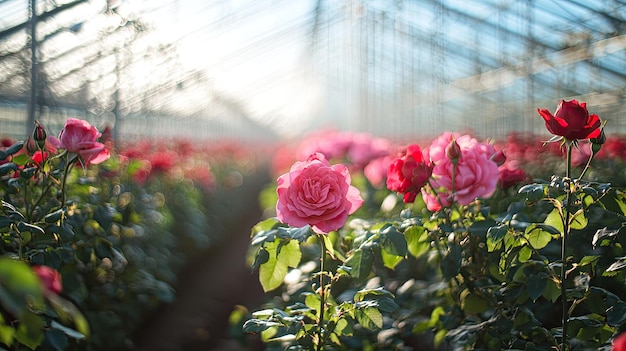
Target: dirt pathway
(206,294)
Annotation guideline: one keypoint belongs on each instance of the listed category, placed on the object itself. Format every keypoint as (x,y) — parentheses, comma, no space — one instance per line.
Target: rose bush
(484,259)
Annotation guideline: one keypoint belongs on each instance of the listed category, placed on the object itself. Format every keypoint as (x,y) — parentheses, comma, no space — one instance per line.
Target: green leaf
(602,234)
(103,248)
(24,227)
(617,265)
(54,216)
(537,237)
(451,262)
(578,220)
(392,241)
(524,254)
(495,235)
(389,260)
(300,234)
(30,330)
(69,313)
(552,291)
(262,256)
(360,263)
(7,167)
(290,253)
(57,339)
(482,227)
(616,314)
(67,331)
(418,242)
(17,146)
(472,303)
(272,272)
(7,332)
(256,325)
(18,282)
(536,285)
(554,219)
(370,318)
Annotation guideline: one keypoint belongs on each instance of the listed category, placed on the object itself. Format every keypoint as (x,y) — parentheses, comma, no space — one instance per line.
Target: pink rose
(50,278)
(315,193)
(475,174)
(376,171)
(80,137)
(408,173)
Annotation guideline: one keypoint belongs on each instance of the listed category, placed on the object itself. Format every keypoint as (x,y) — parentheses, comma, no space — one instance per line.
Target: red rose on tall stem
(572,121)
(315,193)
(408,173)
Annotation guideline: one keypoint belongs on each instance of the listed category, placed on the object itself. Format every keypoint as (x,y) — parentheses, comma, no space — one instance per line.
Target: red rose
(50,278)
(572,121)
(409,173)
(619,343)
(315,193)
(511,176)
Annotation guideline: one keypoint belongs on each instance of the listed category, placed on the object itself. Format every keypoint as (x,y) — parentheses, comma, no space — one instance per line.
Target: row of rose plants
(94,234)
(452,244)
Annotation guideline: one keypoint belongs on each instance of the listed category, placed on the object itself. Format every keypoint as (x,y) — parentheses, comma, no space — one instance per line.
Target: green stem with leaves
(320,324)
(566,212)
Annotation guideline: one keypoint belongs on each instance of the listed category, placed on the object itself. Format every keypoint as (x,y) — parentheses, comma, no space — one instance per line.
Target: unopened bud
(596,143)
(499,158)
(453,151)
(40,135)
(31,146)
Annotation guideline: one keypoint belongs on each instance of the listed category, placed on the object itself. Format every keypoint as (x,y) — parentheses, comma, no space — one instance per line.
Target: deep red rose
(50,278)
(572,121)
(408,173)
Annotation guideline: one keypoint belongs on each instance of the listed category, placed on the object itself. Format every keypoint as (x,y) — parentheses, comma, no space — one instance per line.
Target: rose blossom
(315,193)
(376,171)
(80,137)
(572,121)
(50,278)
(408,173)
(475,174)
(619,343)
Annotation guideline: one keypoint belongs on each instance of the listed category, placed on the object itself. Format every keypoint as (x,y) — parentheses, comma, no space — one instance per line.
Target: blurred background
(267,69)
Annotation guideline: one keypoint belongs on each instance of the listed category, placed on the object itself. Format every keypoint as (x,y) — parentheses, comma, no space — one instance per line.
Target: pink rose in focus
(475,175)
(50,278)
(408,173)
(80,137)
(315,193)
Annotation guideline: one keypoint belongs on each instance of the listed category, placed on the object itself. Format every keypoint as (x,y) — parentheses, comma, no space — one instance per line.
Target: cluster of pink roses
(454,168)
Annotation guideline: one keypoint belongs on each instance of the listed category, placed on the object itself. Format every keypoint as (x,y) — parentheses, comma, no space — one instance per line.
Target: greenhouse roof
(395,68)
